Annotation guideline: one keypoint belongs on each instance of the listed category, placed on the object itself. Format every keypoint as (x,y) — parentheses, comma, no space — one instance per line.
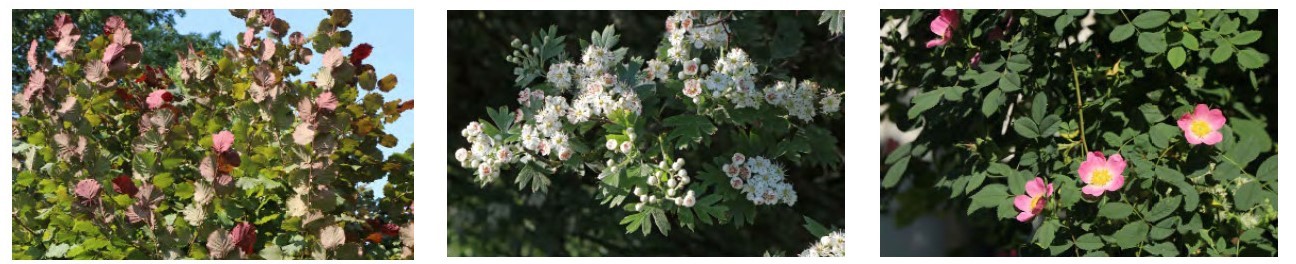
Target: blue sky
(391,32)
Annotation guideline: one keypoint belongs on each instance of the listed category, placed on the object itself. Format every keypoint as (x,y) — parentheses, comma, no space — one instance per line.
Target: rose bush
(1103,132)
(222,156)
(699,133)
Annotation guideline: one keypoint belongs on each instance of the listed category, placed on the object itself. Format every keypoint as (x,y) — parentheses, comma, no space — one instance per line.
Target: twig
(1079,106)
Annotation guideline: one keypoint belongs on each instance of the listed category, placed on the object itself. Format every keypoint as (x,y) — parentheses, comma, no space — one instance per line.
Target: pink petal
(1035,188)
(1092,190)
(1116,164)
(936,42)
(1200,111)
(1023,203)
(1185,123)
(1212,138)
(1215,118)
(1093,162)
(940,25)
(951,16)
(1025,216)
(1192,138)
(1116,182)
(1050,190)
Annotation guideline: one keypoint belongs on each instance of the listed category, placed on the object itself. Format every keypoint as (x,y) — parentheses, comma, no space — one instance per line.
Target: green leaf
(977,178)
(1222,53)
(1169,175)
(1176,57)
(901,152)
(1163,229)
(1039,106)
(989,196)
(923,101)
(688,128)
(1247,196)
(815,228)
(1047,12)
(1163,208)
(896,172)
(1251,59)
(1246,37)
(1190,41)
(1018,63)
(1131,235)
(954,93)
(992,102)
(1045,233)
(1152,113)
(1025,127)
(1115,210)
(57,251)
(1268,171)
(1152,42)
(985,79)
(163,180)
(530,176)
(1162,133)
(1253,140)
(1151,19)
(1089,241)
(1010,82)
(1121,33)
(1164,249)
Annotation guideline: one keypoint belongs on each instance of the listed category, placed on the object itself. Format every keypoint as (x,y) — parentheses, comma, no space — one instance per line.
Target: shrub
(700,133)
(1145,132)
(222,156)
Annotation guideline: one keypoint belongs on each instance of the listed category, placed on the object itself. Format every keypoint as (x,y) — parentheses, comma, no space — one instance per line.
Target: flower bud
(682,173)
(671,183)
(516,43)
(639,207)
(638,190)
(661,165)
(526,47)
(670,193)
(652,180)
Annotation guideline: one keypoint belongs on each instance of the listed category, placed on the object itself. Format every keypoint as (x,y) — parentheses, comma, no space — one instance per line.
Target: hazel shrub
(222,156)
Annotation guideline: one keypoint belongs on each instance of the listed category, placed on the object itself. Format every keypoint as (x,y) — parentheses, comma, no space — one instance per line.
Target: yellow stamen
(1100,177)
(1200,128)
(1035,203)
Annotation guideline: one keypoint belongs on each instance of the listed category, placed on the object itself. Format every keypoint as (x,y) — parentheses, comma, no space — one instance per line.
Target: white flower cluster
(485,155)
(831,245)
(675,178)
(760,179)
(734,77)
(684,33)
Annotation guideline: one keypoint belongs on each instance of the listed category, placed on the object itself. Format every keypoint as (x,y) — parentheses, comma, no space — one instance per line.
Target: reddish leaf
(303,135)
(374,237)
(296,39)
(267,49)
(332,58)
(327,101)
(112,53)
(88,191)
(158,98)
(407,105)
(218,244)
(124,185)
(267,16)
(360,52)
(244,237)
(113,25)
(222,141)
(248,36)
(331,237)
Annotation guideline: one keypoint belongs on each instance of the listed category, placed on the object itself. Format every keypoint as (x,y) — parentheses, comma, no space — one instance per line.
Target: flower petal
(1192,138)
(1116,182)
(1215,118)
(1212,138)
(1025,216)
(1093,162)
(1022,202)
(1092,190)
(1035,188)
(940,25)
(1050,190)
(1116,164)
(936,42)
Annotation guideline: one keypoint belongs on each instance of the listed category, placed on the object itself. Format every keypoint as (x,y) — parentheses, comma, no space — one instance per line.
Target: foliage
(657,151)
(1117,92)
(223,155)
(1065,94)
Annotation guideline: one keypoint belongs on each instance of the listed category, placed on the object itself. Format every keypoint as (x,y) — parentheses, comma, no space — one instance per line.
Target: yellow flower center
(1036,205)
(1200,128)
(1100,177)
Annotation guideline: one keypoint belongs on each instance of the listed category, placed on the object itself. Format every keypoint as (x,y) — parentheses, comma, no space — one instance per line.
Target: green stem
(1079,106)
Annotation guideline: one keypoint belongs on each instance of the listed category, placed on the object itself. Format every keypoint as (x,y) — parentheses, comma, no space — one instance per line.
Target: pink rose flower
(943,26)
(1101,174)
(1034,200)
(1202,125)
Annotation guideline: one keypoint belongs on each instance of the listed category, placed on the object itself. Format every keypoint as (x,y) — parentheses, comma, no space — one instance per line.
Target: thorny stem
(1079,106)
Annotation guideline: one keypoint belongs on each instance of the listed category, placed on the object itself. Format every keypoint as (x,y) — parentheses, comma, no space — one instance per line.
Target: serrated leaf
(895,173)
(923,101)
(1121,33)
(1089,241)
(1251,59)
(1176,57)
(1162,209)
(1246,37)
(688,128)
(1115,210)
(1151,19)
(1045,233)
(989,196)
(1131,234)
(1221,53)
(1247,196)
(1152,42)
(1164,249)
(332,236)
(1010,82)
(992,102)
